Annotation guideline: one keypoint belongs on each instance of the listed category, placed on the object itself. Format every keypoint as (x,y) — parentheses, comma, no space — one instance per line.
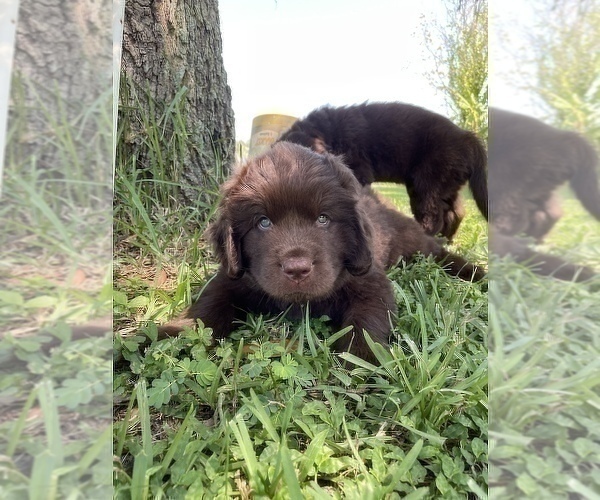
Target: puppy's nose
(297,268)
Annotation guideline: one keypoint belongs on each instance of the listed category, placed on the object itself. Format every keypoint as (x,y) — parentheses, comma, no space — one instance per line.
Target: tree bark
(169,45)
(62,71)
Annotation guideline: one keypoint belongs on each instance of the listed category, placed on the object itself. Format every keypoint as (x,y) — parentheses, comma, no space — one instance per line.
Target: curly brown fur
(528,161)
(296,227)
(398,142)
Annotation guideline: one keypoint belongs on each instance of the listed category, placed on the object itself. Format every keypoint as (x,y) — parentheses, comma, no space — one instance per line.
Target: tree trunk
(170,45)
(62,72)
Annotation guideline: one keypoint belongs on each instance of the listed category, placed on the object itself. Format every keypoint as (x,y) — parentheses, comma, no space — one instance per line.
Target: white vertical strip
(9,10)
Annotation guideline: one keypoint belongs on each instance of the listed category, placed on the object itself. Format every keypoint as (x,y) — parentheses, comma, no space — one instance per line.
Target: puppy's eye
(264,223)
(323,220)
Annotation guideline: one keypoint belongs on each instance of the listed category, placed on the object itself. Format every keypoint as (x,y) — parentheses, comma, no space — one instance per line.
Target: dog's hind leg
(543,219)
(454,213)
(585,180)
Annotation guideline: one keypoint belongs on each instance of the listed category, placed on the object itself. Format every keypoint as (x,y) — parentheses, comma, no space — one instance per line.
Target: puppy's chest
(297,312)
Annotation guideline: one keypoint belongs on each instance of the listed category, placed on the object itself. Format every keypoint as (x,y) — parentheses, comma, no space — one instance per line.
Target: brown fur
(398,142)
(327,242)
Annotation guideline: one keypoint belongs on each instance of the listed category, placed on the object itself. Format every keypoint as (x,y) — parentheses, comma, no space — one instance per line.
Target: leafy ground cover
(271,412)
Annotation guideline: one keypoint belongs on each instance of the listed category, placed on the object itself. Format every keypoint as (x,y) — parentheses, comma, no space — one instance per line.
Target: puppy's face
(289,220)
(295,256)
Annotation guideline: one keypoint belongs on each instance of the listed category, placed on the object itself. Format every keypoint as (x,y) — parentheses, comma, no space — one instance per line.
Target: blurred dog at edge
(528,161)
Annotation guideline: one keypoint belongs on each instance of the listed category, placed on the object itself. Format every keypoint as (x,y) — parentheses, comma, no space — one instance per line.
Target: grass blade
(141,210)
(408,461)
(143,460)
(17,429)
(41,476)
(289,474)
(102,444)
(122,433)
(240,431)
(36,200)
(51,421)
(311,453)
(259,412)
(177,440)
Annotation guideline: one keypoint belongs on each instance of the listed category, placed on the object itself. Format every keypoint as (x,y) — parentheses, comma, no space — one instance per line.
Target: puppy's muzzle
(297,269)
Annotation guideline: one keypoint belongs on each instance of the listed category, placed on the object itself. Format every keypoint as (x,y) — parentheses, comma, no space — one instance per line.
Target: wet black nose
(297,268)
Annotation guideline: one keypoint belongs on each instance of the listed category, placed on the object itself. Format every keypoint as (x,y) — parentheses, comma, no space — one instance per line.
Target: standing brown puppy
(296,227)
(398,142)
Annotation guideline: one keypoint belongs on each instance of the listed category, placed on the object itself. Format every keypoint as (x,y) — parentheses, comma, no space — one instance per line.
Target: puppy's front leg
(215,307)
(369,305)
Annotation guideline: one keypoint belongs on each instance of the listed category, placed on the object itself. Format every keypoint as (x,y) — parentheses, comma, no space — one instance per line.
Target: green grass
(271,412)
(149,217)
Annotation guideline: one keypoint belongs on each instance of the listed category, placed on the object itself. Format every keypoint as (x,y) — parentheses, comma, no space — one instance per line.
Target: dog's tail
(478,178)
(585,181)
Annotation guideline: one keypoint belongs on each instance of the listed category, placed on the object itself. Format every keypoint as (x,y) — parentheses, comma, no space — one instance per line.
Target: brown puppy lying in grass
(397,142)
(296,227)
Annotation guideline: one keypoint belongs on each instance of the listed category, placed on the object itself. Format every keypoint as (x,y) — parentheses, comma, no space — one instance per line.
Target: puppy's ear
(346,176)
(227,245)
(359,255)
